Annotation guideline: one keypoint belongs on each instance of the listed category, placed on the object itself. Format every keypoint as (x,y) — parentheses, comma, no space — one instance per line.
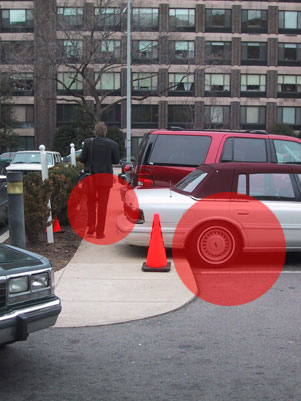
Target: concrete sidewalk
(105,284)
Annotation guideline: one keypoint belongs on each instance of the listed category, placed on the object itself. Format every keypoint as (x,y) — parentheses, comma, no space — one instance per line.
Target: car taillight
(126,168)
(134,215)
(145,178)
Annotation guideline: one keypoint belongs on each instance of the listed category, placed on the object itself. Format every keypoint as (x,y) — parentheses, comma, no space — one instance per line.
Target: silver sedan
(220,210)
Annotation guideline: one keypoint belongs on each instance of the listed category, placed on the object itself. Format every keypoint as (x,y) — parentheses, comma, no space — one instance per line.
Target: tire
(214,244)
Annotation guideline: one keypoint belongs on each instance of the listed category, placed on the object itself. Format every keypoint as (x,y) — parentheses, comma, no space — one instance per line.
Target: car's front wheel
(213,245)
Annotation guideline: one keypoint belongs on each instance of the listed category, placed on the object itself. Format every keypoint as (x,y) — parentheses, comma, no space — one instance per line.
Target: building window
(181,116)
(24,116)
(252,117)
(218,53)
(69,83)
(17,21)
(289,86)
(145,19)
(253,53)
(112,115)
(108,18)
(217,116)
(180,84)
(290,116)
(144,116)
(218,20)
(25,142)
(108,82)
(289,21)
(181,52)
(217,84)
(254,21)
(21,84)
(107,51)
(145,51)
(144,82)
(66,113)
(252,85)
(181,19)
(70,18)
(16,52)
(70,51)
(289,54)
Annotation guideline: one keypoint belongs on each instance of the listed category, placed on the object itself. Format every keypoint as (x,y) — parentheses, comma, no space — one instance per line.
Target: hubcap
(216,245)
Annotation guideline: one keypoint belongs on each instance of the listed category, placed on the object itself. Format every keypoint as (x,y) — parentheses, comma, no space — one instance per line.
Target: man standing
(98,155)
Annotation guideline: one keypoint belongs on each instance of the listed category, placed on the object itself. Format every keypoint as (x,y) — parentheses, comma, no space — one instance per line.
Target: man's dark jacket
(99,157)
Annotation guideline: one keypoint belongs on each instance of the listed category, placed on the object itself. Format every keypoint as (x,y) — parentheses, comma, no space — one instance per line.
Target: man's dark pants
(98,197)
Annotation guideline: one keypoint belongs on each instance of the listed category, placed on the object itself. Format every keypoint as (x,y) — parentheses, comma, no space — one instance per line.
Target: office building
(194,64)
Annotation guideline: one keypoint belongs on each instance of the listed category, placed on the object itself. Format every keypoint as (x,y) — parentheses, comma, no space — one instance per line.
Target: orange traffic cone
(156,256)
(56,225)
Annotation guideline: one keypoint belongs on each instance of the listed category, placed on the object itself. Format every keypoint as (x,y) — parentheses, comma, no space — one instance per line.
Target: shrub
(36,211)
(80,128)
(118,136)
(283,129)
(63,179)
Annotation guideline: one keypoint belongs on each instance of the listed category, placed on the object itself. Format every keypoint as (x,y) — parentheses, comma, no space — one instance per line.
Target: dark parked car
(27,299)
(6,158)
(165,157)
(67,159)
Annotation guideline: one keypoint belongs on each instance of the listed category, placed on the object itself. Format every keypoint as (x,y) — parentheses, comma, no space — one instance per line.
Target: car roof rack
(176,128)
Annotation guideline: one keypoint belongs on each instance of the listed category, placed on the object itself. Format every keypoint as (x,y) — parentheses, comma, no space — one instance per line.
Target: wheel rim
(216,245)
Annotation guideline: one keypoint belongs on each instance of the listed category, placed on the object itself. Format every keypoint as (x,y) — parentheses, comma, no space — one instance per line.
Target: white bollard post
(45,176)
(72,153)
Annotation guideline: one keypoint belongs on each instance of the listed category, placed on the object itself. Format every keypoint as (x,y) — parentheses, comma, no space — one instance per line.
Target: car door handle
(242,212)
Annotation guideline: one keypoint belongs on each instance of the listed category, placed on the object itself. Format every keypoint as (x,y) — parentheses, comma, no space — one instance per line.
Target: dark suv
(165,157)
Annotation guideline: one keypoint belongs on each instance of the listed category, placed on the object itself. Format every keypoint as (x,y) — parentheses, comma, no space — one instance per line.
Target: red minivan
(165,157)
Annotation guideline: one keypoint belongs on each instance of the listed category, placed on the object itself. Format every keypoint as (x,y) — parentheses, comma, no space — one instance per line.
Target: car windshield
(191,181)
(11,258)
(8,255)
(31,158)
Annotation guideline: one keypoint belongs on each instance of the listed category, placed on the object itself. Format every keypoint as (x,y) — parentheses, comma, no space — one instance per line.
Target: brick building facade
(195,64)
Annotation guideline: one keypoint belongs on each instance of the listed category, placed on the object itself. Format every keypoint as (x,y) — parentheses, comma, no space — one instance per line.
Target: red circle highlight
(94,206)
(214,264)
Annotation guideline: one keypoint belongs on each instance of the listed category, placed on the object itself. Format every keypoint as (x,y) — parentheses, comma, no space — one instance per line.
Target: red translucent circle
(91,199)
(212,265)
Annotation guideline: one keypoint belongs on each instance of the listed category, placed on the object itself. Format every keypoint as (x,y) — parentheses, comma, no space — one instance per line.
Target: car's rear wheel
(213,245)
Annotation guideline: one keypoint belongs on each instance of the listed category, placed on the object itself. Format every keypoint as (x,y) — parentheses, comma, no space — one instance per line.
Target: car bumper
(18,324)
(139,234)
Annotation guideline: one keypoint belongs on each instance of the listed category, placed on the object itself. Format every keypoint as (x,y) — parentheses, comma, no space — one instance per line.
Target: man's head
(100,129)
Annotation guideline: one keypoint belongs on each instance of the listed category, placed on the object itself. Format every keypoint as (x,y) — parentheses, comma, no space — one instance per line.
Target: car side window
(245,149)
(269,186)
(242,184)
(180,150)
(142,147)
(287,151)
